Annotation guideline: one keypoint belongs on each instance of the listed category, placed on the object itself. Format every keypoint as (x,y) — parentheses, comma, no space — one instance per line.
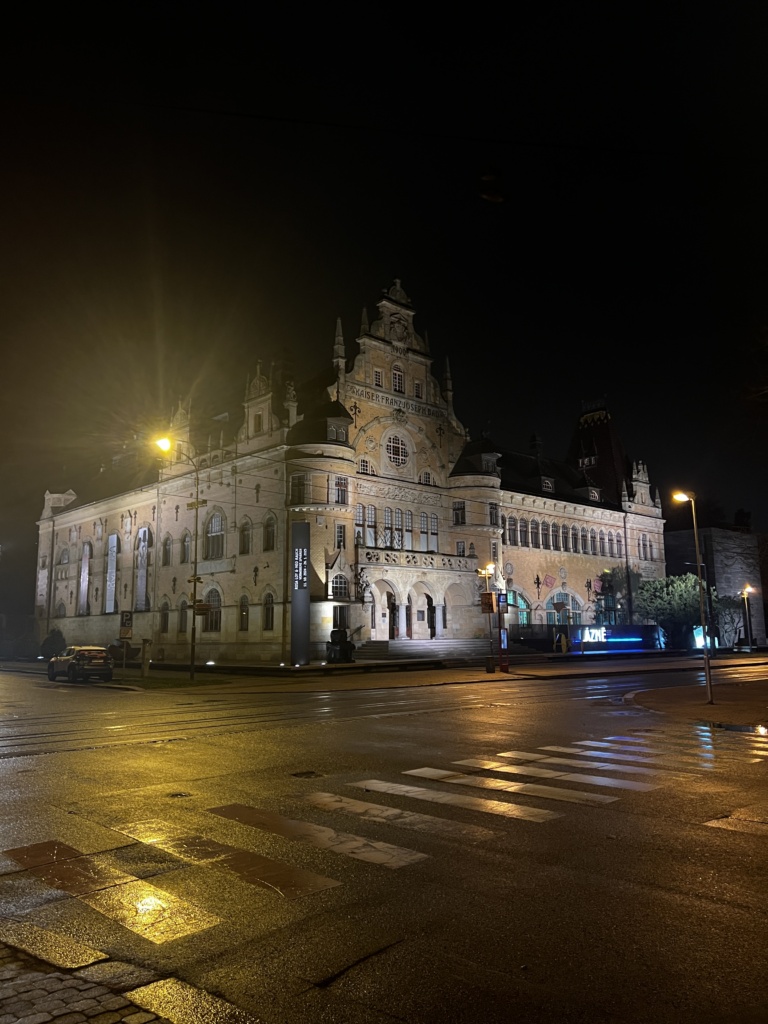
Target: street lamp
(488,571)
(690,496)
(745,594)
(165,445)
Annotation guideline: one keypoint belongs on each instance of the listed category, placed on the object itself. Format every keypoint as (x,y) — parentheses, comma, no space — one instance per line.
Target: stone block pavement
(34,991)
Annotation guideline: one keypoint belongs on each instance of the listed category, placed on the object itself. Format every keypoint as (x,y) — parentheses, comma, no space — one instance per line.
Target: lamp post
(488,571)
(165,445)
(745,594)
(690,496)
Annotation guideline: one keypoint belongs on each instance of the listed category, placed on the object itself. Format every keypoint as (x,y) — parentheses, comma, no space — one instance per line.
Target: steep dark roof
(597,448)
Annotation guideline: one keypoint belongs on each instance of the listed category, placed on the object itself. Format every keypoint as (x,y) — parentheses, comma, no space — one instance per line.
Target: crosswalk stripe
(528,788)
(320,836)
(631,769)
(473,803)
(384,815)
(590,780)
(608,755)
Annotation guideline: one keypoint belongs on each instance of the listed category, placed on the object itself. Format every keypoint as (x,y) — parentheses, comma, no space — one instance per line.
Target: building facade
(409,519)
(731,568)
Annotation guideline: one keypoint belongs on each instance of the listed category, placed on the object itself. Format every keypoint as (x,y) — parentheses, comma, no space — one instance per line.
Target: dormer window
(594,494)
(489,463)
(547,484)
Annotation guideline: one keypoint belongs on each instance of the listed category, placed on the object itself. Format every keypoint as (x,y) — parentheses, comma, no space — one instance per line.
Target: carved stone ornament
(371,443)
(399,416)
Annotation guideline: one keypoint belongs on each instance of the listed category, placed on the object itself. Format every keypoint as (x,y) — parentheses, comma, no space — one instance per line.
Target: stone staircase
(466,652)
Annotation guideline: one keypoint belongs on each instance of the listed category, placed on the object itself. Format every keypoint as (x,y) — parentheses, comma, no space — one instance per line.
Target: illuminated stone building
(402,509)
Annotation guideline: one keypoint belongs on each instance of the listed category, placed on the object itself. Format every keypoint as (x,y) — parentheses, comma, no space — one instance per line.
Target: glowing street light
(690,496)
(745,594)
(164,444)
(488,571)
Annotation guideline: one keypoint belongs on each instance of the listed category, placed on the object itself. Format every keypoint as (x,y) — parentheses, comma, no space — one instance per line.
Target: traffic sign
(126,625)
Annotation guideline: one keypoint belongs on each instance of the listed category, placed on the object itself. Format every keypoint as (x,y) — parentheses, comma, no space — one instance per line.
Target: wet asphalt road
(397,853)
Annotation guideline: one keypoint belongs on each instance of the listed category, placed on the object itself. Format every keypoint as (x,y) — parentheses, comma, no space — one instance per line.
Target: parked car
(83,662)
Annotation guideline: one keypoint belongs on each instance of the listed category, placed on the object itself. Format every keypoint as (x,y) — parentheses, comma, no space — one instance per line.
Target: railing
(413,559)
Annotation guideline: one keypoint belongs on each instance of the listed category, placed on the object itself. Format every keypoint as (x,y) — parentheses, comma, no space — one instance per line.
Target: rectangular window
(459,513)
(417,389)
(494,552)
(377,378)
(493,514)
(341,536)
(341,490)
(257,423)
(461,548)
(341,616)
(298,489)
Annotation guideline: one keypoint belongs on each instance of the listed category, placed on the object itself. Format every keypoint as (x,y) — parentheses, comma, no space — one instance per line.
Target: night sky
(575,201)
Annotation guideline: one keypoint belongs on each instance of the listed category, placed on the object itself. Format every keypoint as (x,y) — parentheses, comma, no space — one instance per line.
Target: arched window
(575,539)
(83,605)
(214,537)
(144,542)
(269,613)
(565,534)
(650,548)
(571,613)
(167,551)
(64,557)
(370,526)
(601,542)
(397,536)
(433,521)
(245,607)
(245,538)
(555,537)
(512,531)
(212,618)
(340,588)
(522,607)
(426,477)
(584,540)
(611,544)
(358,515)
(165,609)
(61,610)
(619,546)
(593,542)
(523,533)
(183,606)
(387,536)
(186,548)
(270,529)
(644,542)
(110,586)
(398,380)
(545,535)
(423,528)
(534,533)
(408,540)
